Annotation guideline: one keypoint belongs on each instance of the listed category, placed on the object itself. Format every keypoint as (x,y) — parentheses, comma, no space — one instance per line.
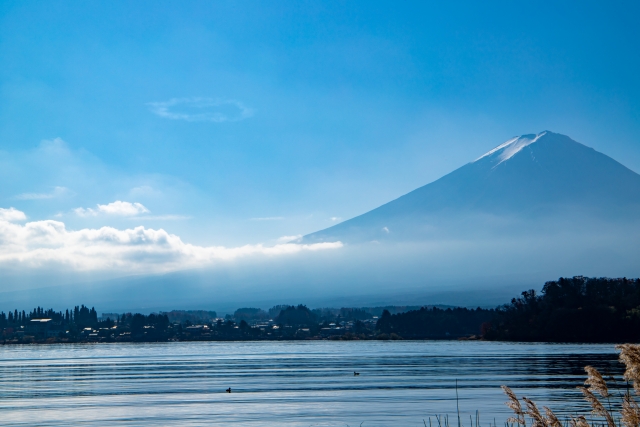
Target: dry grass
(514,404)
(551,420)
(596,382)
(627,416)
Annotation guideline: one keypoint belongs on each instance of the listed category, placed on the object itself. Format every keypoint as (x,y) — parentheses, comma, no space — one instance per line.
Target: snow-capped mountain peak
(559,181)
(510,148)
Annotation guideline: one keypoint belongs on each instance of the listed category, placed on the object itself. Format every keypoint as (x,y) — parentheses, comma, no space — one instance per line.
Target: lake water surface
(299,383)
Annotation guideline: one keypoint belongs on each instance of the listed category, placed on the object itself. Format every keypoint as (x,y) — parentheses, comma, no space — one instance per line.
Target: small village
(83,325)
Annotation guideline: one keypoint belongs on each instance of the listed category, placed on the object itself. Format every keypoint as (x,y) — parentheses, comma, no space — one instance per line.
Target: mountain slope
(540,177)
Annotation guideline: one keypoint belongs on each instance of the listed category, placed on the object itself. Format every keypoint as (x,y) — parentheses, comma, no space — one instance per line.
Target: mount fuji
(534,208)
(531,183)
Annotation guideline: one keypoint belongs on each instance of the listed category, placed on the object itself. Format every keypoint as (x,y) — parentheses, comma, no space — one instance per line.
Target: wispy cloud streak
(201,110)
(57,192)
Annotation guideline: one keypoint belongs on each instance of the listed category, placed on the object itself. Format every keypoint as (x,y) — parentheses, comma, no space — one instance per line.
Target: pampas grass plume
(630,413)
(630,356)
(514,404)
(534,413)
(596,382)
(551,419)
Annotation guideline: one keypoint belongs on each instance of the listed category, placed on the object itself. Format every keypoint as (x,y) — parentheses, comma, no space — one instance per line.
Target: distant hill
(546,177)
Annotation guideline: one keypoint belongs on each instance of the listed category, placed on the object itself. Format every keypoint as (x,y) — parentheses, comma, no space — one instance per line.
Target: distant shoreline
(568,310)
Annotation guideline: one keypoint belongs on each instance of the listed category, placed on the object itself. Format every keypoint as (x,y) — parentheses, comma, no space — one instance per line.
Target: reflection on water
(286,383)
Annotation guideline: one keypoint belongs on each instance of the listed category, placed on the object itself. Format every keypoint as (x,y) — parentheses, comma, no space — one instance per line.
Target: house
(39,328)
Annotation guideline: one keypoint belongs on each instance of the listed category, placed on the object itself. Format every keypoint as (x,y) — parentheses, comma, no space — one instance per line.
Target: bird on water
(228,390)
(355,374)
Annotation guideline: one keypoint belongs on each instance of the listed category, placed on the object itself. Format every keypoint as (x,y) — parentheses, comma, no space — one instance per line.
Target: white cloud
(201,110)
(123,208)
(11,214)
(115,208)
(268,218)
(57,192)
(285,239)
(335,218)
(45,244)
(385,229)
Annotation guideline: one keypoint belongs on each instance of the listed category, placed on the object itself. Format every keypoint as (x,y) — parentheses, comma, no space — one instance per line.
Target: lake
(299,383)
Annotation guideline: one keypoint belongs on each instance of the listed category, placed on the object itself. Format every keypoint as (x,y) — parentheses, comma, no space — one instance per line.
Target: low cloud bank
(48,244)
(142,268)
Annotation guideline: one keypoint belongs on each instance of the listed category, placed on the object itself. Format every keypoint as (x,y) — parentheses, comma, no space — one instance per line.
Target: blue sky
(235,123)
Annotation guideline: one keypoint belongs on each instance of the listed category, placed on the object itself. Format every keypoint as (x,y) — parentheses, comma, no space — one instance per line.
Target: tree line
(577,309)
(80,315)
(436,323)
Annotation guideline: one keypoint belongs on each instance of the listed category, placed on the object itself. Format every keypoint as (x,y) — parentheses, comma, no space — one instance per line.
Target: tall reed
(627,416)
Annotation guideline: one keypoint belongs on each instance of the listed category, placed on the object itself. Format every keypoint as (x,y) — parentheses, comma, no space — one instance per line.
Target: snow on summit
(512,147)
